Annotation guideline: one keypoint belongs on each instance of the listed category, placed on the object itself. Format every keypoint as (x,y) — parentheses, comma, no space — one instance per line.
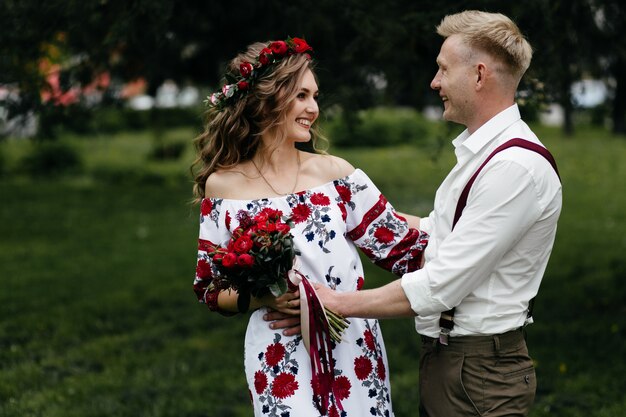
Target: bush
(51,159)
(169,150)
(378,127)
(116,119)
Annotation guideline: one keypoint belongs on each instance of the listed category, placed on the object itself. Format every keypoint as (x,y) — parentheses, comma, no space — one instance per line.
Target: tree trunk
(568,108)
(619,102)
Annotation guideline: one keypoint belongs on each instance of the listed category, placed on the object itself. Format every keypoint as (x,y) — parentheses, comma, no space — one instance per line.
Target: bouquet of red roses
(258,256)
(259,259)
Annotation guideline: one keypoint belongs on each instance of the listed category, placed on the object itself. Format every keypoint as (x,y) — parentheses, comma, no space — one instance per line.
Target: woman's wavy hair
(233,134)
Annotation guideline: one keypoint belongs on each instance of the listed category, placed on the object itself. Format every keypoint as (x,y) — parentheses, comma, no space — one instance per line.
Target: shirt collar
(487,132)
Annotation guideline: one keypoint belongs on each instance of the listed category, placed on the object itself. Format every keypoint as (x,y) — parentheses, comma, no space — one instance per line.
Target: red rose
(369,340)
(217,258)
(229,260)
(260,382)
(245,69)
(274,354)
(262,217)
(266,227)
(279,48)
(341,387)
(283,228)
(344,193)
(320,199)
(203,269)
(206,206)
(242,85)
(284,385)
(380,368)
(384,235)
(244,260)
(362,367)
(243,244)
(300,213)
(264,58)
(300,45)
(227,219)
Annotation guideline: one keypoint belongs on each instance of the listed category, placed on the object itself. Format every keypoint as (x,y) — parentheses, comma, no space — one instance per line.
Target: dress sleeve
(211,234)
(376,228)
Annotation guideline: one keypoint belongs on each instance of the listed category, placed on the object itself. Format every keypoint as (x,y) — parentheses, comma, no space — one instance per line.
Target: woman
(248,160)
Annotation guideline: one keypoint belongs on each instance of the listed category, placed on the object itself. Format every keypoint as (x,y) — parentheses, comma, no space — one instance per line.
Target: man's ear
(481,74)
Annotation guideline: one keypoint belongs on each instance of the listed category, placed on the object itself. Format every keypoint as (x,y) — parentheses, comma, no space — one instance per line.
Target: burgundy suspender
(446,321)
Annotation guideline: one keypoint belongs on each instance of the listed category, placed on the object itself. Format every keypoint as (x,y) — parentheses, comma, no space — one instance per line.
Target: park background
(98,235)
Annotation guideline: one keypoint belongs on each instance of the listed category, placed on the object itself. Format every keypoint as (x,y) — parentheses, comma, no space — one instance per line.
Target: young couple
(485,245)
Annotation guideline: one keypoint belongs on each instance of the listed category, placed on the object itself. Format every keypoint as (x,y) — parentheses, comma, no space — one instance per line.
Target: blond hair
(233,135)
(493,33)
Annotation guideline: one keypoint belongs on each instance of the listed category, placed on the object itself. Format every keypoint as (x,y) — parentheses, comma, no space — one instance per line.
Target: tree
(611,18)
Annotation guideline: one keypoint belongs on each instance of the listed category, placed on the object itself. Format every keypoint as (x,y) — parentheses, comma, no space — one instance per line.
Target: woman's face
(304,110)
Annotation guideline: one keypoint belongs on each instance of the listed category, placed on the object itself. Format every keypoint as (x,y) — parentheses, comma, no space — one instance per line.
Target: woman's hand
(284,312)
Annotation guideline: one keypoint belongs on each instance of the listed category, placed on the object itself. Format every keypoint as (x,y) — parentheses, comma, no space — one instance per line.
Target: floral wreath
(237,87)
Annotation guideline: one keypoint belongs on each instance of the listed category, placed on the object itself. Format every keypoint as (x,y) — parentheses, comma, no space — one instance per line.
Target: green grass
(98,317)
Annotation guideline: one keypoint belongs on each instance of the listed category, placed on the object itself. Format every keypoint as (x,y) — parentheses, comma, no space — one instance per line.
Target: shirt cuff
(425,225)
(417,290)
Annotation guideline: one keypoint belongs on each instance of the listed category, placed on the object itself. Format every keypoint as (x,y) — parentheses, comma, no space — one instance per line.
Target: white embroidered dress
(330,222)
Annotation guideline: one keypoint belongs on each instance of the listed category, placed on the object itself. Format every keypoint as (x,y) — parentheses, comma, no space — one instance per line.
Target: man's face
(455,81)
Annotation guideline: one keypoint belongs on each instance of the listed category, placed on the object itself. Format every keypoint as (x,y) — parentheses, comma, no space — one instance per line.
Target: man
(471,298)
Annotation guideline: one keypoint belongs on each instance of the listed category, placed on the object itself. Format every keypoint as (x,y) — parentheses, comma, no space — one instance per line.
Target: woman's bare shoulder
(329,167)
(224,183)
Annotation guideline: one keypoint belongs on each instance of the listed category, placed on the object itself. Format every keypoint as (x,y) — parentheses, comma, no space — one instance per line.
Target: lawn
(98,317)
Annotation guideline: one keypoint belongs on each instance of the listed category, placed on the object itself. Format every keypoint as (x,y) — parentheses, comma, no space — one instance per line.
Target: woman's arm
(413,221)
(288,303)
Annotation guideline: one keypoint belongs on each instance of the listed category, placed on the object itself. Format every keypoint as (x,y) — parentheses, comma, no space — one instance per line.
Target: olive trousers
(476,376)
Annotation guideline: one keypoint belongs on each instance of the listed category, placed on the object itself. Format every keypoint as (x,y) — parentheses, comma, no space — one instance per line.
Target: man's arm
(388,301)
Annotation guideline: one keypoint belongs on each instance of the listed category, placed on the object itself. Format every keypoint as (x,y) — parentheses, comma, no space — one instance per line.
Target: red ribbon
(320,347)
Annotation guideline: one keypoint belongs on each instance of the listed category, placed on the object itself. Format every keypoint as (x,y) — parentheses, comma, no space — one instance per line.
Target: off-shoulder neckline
(317,187)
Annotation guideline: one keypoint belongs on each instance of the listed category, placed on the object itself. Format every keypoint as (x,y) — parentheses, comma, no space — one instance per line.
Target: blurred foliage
(380,127)
(369,52)
(49,159)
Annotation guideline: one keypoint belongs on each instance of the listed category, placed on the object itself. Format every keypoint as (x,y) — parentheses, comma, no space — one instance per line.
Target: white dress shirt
(491,265)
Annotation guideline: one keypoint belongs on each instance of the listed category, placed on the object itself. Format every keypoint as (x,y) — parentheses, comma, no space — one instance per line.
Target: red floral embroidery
(384,235)
(260,381)
(206,207)
(300,213)
(380,368)
(369,340)
(203,269)
(344,212)
(362,367)
(320,199)
(227,219)
(344,193)
(284,385)
(333,412)
(274,354)
(359,283)
(367,252)
(341,387)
